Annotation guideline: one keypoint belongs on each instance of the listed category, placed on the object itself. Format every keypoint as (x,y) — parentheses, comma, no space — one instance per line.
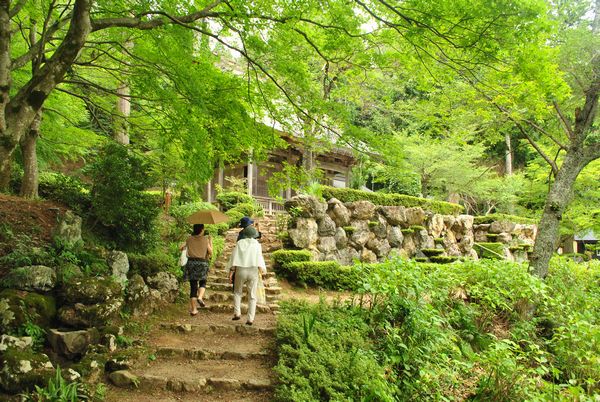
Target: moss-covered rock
(33,278)
(22,369)
(28,306)
(84,316)
(90,290)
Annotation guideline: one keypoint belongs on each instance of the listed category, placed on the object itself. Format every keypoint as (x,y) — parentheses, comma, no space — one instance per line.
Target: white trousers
(248,277)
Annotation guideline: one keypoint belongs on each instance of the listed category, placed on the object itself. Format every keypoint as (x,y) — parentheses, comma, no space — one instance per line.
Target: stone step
(206,354)
(228,308)
(218,297)
(206,375)
(219,329)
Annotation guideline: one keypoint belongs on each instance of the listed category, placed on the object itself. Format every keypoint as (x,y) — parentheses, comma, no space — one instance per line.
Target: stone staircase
(219,292)
(208,357)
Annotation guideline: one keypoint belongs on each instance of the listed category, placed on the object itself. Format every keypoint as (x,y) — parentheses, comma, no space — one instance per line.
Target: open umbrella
(207,217)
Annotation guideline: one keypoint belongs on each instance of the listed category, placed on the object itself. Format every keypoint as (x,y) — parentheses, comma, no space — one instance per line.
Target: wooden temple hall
(335,164)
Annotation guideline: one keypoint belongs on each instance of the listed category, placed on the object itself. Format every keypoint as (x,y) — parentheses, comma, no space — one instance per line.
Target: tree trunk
(121,134)
(29,185)
(557,200)
(508,165)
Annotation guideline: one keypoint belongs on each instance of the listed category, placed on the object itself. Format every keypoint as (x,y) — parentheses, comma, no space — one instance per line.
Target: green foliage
(126,213)
(432,251)
(61,390)
(493,251)
(282,257)
(325,354)
(325,274)
(417,228)
(250,209)
(150,264)
(349,230)
(443,259)
(67,190)
(349,195)
(502,218)
(230,199)
(37,334)
(180,228)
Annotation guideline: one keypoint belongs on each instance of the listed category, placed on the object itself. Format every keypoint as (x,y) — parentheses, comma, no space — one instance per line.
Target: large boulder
(39,309)
(423,239)
(463,225)
(72,344)
(22,369)
(85,316)
(362,210)
(119,265)
(415,216)
(326,226)
(341,240)
(436,225)
(7,341)
(338,212)
(68,229)
(395,236)
(34,278)
(501,226)
(380,247)
(326,244)
(347,256)
(138,296)
(367,256)
(90,290)
(361,234)
(305,206)
(395,215)
(379,227)
(525,233)
(305,234)
(166,284)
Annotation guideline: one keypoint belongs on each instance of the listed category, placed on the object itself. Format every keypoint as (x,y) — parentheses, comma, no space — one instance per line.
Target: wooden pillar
(220,177)
(209,191)
(250,178)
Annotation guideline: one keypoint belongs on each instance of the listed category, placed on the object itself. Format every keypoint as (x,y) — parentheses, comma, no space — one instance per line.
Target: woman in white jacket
(245,263)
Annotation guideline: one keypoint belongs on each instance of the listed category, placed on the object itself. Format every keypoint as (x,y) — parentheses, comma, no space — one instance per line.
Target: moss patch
(494,251)
(29,306)
(503,218)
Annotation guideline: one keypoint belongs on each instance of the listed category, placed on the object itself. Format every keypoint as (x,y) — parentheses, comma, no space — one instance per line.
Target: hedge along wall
(359,229)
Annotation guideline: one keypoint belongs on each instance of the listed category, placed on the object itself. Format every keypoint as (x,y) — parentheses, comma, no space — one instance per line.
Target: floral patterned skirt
(195,270)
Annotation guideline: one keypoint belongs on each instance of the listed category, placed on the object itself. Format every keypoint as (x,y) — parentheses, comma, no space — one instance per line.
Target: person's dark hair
(198,228)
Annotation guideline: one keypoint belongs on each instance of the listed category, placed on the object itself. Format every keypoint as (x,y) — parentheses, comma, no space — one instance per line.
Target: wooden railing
(270,205)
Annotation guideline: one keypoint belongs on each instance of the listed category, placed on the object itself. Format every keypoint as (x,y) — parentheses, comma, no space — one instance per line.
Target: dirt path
(208,357)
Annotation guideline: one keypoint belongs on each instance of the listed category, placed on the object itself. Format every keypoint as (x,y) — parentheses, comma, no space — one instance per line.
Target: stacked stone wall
(360,230)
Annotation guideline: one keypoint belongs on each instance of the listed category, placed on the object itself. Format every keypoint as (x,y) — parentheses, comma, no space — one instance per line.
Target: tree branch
(35,49)
(565,122)
(537,148)
(138,22)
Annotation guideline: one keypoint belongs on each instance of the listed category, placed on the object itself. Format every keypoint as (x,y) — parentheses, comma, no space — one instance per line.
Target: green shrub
(577,257)
(439,240)
(390,199)
(349,230)
(422,259)
(502,218)
(417,228)
(494,251)
(325,274)
(325,354)
(234,217)
(442,259)
(432,251)
(407,231)
(119,203)
(66,190)
(282,257)
(150,264)
(229,199)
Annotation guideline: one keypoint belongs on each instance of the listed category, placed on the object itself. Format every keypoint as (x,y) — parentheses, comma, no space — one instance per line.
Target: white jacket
(247,254)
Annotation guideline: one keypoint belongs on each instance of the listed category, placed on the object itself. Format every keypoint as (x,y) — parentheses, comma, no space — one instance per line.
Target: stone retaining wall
(344,232)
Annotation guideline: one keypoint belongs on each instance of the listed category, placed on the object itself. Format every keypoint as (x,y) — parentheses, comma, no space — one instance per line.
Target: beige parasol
(207,217)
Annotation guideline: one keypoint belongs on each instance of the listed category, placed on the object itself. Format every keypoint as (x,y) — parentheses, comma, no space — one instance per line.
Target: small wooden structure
(335,163)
